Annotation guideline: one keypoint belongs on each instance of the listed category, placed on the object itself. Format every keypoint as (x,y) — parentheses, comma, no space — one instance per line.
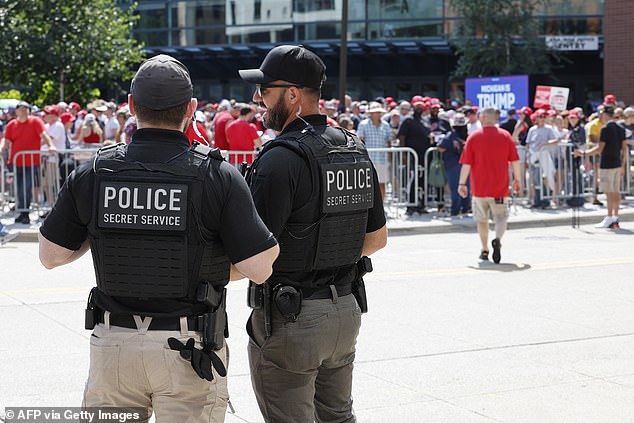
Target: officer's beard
(276,116)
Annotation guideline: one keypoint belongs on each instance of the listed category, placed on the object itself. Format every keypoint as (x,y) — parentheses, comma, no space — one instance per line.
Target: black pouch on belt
(215,326)
(288,301)
(92,312)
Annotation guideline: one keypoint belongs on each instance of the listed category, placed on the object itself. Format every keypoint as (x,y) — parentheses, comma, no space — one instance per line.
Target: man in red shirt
(486,157)
(222,118)
(242,135)
(26,133)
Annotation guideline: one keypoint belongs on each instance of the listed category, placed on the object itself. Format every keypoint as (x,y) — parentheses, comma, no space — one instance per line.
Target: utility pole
(343,52)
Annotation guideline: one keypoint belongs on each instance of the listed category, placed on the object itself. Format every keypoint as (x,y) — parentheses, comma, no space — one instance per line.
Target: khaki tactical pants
(136,368)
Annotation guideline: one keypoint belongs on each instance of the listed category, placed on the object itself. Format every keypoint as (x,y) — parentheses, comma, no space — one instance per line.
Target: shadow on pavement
(502,267)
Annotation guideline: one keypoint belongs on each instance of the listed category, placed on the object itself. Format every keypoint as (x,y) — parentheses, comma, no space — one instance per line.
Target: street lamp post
(343,52)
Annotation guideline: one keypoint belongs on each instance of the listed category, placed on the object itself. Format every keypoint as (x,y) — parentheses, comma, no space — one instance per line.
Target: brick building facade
(618,57)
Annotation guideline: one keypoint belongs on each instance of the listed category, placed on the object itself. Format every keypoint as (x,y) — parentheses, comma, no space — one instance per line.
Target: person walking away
(302,334)
(486,158)
(168,227)
(612,149)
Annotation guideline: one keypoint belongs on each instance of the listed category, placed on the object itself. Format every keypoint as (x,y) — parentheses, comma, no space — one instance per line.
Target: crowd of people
(419,123)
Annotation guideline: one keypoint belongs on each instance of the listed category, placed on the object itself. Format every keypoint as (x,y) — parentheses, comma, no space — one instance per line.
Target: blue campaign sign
(501,92)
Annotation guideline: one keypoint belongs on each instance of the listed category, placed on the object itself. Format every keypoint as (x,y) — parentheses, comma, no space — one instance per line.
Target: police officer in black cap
(167,226)
(317,191)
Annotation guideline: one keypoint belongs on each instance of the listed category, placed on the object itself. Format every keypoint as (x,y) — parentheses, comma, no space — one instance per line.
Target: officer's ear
(293,95)
(191,108)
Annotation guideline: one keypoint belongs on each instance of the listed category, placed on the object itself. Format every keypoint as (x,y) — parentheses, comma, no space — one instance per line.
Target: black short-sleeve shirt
(282,185)
(228,211)
(613,135)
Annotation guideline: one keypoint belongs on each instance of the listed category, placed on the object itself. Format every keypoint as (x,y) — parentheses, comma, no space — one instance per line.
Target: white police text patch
(138,205)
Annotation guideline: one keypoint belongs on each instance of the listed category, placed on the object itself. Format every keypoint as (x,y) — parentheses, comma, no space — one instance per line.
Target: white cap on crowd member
(200,116)
(375,107)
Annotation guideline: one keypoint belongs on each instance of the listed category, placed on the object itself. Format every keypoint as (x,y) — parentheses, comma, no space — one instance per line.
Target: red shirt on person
(488,151)
(240,135)
(220,123)
(25,136)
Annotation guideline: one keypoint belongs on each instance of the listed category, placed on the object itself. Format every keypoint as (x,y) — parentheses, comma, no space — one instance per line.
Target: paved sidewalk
(400,224)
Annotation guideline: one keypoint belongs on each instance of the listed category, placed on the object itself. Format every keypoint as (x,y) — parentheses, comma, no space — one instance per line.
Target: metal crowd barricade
(42,180)
(236,157)
(400,165)
(432,196)
(3,178)
(555,174)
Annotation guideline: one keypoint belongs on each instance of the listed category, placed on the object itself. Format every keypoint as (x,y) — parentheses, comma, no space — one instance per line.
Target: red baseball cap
(417,100)
(573,114)
(74,105)
(66,117)
(609,99)
(526,110)
(51,110)
(551,112)
(540,113)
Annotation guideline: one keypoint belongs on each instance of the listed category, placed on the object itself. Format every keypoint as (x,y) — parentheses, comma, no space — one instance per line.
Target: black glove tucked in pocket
(201,361)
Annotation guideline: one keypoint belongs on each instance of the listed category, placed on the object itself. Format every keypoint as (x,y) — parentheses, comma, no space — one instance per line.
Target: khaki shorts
(610,180)
(485,208)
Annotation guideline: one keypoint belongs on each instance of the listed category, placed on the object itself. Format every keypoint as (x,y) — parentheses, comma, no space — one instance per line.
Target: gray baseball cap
(161,83)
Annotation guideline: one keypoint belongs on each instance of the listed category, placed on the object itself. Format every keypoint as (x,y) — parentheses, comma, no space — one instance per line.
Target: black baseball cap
(288,63)
(161,83)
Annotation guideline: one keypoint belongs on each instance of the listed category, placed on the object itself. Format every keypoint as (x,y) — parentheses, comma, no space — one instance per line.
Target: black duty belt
(325,292)
(194,323)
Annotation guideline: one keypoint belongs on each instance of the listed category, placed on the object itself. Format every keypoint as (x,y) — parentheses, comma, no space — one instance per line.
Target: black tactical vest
(342,177)
(146,235)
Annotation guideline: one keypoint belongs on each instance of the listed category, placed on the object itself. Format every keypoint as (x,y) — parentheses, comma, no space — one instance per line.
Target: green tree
(57,49)
(499,37)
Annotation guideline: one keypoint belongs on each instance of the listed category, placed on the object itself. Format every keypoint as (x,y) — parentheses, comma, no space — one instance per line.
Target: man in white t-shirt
(55,128)
(57,132)
(111,123)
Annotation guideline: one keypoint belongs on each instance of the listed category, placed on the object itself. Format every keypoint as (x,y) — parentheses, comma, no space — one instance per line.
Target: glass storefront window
(201,22)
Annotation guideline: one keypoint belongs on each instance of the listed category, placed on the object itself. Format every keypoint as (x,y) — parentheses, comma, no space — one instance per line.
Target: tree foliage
(56,49)
(499,37)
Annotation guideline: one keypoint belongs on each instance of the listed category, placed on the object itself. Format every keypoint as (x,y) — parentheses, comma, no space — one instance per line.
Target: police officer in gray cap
(317,191)
(167,225)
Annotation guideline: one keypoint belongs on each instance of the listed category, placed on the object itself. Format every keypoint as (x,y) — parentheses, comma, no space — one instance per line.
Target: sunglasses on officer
(260,89)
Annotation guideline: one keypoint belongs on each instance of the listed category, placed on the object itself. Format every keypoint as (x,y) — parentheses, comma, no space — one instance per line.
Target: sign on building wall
(555,97)
(573,43)
(501,92)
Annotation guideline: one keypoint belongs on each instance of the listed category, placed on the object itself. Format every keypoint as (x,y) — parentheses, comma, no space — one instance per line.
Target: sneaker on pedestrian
(484,255)
(614,225)
(6,236)
(605,223)
(596,202)
(497,247)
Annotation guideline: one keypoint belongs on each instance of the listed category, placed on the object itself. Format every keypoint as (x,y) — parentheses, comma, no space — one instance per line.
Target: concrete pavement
(546,336)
